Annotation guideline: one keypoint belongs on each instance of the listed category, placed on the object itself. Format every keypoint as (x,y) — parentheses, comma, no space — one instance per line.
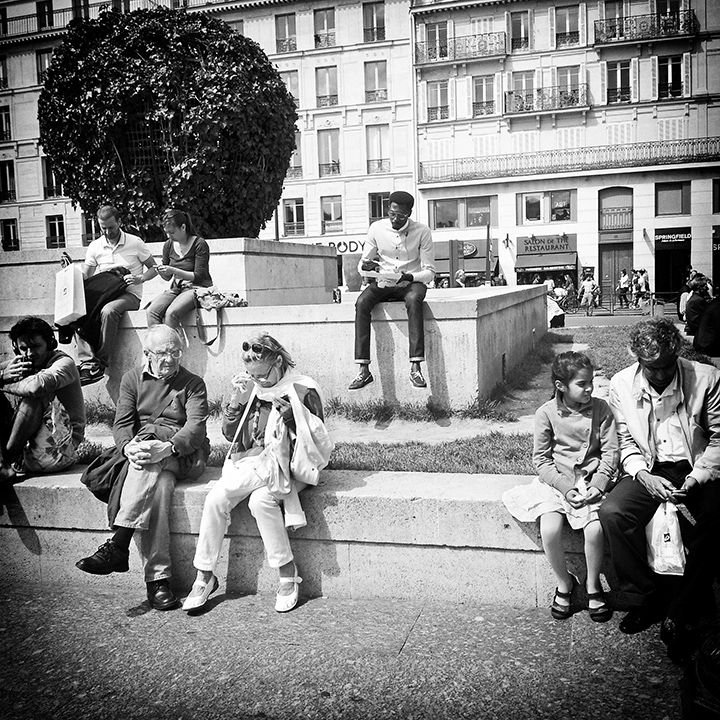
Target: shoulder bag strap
(242,420)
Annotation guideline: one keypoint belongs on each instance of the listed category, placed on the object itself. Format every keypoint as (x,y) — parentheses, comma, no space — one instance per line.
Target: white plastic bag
(666,552)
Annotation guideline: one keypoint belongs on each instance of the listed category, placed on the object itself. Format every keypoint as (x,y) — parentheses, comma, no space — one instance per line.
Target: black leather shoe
(160,595)
(109,558)
(679,640)
(639,619)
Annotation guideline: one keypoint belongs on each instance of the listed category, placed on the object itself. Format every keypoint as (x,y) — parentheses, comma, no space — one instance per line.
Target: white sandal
(285,603)
(200,593)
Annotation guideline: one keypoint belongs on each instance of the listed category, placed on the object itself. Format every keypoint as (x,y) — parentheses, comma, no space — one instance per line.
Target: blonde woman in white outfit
(274,421)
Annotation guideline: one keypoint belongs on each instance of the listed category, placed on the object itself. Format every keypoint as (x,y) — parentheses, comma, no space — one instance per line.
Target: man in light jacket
(668,416)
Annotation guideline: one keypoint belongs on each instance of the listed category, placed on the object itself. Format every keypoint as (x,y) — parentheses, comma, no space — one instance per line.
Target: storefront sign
(469,249)
(547,244)
(672,235)
(353,246)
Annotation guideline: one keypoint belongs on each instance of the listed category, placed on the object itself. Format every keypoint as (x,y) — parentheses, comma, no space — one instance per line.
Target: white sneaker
(285,603)
(200,593)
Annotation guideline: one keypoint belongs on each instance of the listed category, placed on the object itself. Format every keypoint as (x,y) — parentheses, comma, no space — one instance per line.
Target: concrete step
(369,535)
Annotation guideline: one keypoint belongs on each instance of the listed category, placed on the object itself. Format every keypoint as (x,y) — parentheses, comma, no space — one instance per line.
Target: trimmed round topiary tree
(162,108)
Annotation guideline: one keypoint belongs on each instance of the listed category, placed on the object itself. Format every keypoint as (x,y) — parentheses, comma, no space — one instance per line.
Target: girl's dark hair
(178,218)
(568,364)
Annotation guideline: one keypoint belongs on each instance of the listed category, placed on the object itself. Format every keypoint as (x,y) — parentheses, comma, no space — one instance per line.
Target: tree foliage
(161,108)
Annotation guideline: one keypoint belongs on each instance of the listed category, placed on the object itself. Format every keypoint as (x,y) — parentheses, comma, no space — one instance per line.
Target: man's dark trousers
(624,515)
(413,295)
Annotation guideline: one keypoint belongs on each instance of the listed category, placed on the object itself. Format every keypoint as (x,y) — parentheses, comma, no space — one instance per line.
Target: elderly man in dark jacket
(160,428)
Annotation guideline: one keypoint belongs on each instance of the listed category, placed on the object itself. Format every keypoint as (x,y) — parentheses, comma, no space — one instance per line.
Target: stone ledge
(369,535)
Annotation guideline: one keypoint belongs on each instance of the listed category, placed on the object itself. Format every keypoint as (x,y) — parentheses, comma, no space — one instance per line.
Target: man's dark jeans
(625,513)
(413,296)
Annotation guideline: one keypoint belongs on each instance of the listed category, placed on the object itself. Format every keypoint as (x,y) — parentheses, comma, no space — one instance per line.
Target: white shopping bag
(666,552)
(69,295)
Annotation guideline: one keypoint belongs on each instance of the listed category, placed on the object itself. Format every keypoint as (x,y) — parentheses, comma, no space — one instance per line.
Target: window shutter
(684,5)
(531,30)
(634,93)
(450,33)
(653,7)
(584,86)
(498,88)
(601,9)
(553,77)
(452,112)
(508,33)
(469,95)
(582,23)
(603,83)
(508,87)
(538,81)
(653,77)
(551,27)
(422,101)
(687,88)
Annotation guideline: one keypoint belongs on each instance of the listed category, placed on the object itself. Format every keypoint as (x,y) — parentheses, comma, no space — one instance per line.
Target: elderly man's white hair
(160,335)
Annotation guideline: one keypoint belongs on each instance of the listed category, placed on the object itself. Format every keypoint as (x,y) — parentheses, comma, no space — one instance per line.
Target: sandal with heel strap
(285,603)
(563,612)
(602,613)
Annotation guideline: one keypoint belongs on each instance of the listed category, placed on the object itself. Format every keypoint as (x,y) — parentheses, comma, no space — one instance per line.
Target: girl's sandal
(602,613)
(558,611)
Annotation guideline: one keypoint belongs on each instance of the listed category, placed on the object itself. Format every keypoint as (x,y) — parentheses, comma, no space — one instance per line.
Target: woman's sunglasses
(257,348)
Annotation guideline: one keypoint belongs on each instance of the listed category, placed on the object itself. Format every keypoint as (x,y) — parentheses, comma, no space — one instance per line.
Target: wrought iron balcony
(324,40)
(376,95)
(568,39)
(52,191)
(618,95)
(294,172)
(8,194)
(616,218)
(11,244)
(332,226)
(645,27)
(461,48)
(598,157)
(520,44)
(326,100)
(376,34)
(87,238)
(483,108)
(670,90)
(439,112)
(3,83)
(286,45)
(547,99)
(331,168)
(296,228)
(378,166)
(54,241)
(5,134)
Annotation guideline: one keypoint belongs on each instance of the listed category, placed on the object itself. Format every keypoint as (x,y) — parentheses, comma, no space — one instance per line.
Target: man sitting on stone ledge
(401,252)
(160,427)
(668,416)
(42,411)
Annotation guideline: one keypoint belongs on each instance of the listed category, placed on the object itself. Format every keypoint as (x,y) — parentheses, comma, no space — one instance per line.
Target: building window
(4,84)
(44,13)
(285,35)
(373,22)
(325,28)
(51,183)
(560,206)
(295,169)
(438,107)
(326,92)
(618,82)
(8,230)
(378,149)
(328,152)
(520,31)
(5,131)
(522,96)
(7,181)
(544,207)
(292,83)
(437,40)
(670,84)
(376,81)
(331,214)
(716,196)
(55,232)
(3,21)
(379,205)
(462,212)
(90,229)
(483,95)
(237,25)
(293,217)
(566,26)
(42,62)
(672,198)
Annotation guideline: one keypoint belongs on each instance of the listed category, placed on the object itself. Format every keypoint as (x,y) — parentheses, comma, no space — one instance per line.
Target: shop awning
(546,261)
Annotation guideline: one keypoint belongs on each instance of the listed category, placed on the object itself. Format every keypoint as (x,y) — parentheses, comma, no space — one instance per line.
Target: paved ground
(67,655)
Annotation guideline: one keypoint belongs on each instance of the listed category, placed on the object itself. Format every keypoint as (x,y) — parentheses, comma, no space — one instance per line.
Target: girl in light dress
(575,452)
